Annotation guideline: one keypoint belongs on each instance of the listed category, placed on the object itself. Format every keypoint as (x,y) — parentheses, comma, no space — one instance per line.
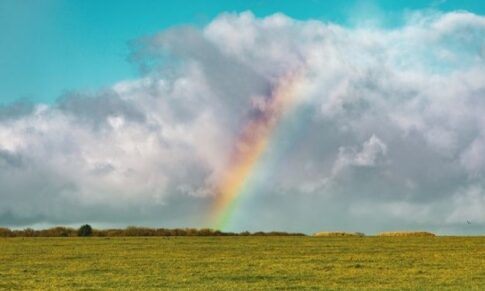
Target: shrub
(58,231)
(5,232)
(338,234)
(85,230)
(28,232)
(204,232)
(139,231)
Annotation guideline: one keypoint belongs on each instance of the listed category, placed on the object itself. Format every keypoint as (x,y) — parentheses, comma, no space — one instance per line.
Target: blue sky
(49,47)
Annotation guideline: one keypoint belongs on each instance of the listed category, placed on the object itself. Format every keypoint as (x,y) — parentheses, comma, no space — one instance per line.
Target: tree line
(87,230)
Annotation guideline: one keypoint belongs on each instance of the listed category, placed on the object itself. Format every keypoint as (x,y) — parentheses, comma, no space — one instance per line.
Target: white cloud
(386,118)
(372,150)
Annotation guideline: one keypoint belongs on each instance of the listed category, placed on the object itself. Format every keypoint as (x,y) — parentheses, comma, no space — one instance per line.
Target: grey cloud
(102,169)
(230,79)
(15,110)
(386,131)
(8,159)
(12,219)
(97,109)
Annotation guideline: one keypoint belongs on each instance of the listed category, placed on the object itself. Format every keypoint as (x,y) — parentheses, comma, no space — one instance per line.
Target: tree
(85,230)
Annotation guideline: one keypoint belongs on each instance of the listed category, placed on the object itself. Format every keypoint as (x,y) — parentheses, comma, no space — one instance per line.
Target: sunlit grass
(407,233)
(243,263)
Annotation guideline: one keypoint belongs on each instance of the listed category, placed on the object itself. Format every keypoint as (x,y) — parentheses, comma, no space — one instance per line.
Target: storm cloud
(387,132)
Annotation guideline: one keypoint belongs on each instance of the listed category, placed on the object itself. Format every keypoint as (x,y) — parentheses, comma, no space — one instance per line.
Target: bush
(5,232)
(338,234)
(58,231)
(28,232)
(85,230)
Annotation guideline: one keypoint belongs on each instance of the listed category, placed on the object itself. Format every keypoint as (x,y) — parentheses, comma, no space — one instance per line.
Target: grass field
(456,263)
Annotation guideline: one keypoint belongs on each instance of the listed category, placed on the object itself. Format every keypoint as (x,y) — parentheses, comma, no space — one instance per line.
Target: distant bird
(468,222)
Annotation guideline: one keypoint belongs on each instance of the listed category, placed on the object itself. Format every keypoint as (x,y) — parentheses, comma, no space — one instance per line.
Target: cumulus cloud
(386,132)
(372,149)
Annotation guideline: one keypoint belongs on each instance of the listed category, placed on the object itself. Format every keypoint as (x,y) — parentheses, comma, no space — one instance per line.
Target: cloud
(372,150)
(15,110)
(386,132)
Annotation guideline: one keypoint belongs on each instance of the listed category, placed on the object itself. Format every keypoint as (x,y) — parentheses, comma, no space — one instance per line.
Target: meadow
(243,262)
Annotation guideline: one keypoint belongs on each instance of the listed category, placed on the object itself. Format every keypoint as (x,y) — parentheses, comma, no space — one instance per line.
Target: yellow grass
(407,233)
(243,263)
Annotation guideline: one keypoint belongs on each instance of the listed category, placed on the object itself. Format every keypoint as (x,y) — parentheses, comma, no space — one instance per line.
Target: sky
(297,116)
(51,47)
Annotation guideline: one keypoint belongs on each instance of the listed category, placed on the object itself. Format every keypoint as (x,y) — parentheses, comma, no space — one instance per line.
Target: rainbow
(250,145)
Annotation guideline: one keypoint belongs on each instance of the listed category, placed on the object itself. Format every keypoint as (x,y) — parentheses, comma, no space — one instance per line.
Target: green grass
(244,263)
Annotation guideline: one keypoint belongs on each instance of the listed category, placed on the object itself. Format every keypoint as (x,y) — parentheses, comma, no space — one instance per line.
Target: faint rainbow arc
(250,146)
